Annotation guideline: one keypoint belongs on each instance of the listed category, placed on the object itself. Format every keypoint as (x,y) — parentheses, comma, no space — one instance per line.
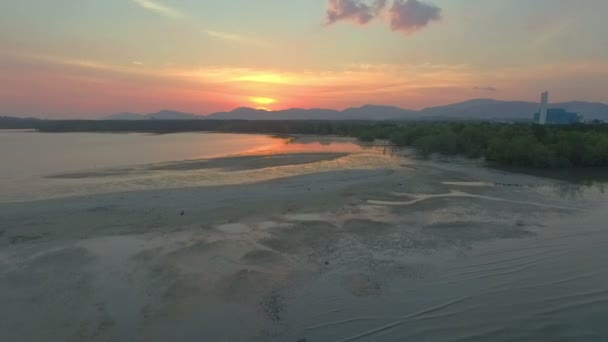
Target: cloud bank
(406,16)
(358,11)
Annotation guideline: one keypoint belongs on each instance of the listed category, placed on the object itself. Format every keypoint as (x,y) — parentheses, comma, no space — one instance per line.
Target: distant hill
(244,113)
(162,115)
(126,116)
(488,109)
(484,109)
(367,112)
(478,109)
(591,110)
(370,112)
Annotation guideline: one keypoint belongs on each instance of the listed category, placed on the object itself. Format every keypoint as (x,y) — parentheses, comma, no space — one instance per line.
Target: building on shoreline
(554,116)
(558,116)
(544,103)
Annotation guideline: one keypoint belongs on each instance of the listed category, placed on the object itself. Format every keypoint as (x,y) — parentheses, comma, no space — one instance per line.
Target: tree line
(526,145)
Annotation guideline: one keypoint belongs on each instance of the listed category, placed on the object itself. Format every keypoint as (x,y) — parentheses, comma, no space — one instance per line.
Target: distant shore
(506,145)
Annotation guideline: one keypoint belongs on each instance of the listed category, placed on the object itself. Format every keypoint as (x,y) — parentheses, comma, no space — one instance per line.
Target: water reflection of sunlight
(288,146)
(133,169)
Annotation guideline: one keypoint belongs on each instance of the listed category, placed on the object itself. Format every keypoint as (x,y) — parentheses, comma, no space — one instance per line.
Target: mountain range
(478,109)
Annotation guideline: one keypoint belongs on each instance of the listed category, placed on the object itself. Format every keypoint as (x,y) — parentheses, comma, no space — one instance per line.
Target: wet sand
(398,250)
(239,163)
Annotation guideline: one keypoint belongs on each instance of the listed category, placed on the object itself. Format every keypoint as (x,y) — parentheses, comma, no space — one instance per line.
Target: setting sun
(262,100)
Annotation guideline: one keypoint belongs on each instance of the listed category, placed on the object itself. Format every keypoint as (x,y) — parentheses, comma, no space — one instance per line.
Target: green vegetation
(524,145)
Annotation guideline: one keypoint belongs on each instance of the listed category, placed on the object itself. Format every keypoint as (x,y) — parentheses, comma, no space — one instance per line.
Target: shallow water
(51,165)
(27,153)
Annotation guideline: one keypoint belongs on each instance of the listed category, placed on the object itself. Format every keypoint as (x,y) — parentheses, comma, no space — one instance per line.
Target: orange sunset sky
(66,58)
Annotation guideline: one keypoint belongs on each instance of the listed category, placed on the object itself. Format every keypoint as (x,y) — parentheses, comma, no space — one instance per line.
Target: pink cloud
(358,11)
(412,15)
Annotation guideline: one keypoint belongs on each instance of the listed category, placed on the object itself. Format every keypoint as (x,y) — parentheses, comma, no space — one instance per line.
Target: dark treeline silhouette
(322,127)
(525,145)
(7,122)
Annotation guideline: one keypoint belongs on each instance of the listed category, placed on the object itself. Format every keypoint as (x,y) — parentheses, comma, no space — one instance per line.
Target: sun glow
(262,100)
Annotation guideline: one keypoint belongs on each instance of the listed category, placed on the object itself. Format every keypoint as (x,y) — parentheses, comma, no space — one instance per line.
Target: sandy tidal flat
(398,250)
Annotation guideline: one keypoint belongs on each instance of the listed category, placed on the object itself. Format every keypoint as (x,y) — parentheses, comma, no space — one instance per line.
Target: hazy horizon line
(102,116)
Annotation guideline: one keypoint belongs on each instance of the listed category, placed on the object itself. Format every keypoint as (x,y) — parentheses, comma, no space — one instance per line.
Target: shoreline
(264,159)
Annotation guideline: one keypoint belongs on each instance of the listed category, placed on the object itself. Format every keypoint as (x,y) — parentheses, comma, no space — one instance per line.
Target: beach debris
(302,340)
(327,263)
(182,213)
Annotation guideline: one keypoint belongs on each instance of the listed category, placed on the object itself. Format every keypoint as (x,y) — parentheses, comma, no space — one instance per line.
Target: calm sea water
(26,153)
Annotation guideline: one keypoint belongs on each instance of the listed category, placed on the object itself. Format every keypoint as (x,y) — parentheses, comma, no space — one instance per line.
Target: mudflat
(315,247)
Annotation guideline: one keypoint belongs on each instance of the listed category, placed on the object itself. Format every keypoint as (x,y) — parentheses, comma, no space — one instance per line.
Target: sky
(91,58)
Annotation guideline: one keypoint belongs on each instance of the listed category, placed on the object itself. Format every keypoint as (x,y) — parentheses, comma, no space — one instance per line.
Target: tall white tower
(544,103)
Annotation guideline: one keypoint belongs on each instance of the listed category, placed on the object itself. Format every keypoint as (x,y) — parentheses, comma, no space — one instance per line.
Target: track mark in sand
(405,318)
(372,332)
(573,306)
(332,311)
(563,281)
(506,251)
(567,280)
(579,234)
(502,271)
(564,299)
(509,267)
(437,308)
(439,316)
(488,271)
(503,261)
(459,194)
(337,323)
(543,285)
